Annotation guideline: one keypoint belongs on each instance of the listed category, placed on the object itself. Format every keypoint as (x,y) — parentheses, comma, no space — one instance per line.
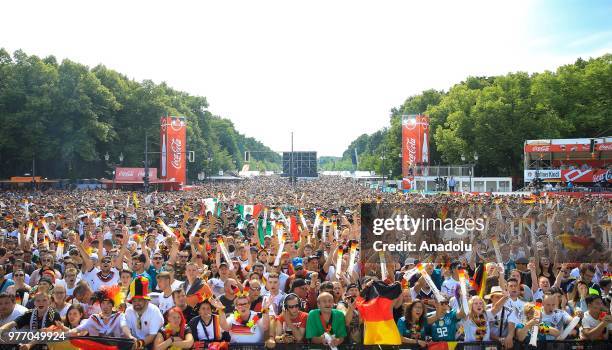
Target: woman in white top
(476,323)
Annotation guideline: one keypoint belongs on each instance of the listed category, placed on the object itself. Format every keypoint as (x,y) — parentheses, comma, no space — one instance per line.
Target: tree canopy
(493,116)
(66,117)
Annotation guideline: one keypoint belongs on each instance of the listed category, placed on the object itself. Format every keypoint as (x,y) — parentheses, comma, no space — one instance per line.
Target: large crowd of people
(266,262)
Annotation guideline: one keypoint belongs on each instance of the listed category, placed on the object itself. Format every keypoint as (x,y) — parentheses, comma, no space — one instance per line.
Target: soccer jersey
(445,329)
(96,326)
(241,333)
(96,279)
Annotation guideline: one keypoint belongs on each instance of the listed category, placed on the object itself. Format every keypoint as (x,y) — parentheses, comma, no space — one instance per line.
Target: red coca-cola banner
(600,147)
(589,175)
(173,152)
(134,174)
(415,142)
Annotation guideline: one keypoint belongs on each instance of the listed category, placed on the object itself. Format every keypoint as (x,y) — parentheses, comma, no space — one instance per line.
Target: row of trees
(493,116)
(65,117)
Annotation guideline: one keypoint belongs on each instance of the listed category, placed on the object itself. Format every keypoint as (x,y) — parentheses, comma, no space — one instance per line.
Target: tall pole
(146,165)
(383,165)
(33,170)
(291,180)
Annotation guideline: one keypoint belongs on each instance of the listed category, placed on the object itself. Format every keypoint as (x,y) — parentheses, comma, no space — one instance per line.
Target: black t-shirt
(24,320)
(162,331)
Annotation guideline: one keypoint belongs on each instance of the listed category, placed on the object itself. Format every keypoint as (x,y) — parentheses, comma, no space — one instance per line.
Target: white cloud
(328,70)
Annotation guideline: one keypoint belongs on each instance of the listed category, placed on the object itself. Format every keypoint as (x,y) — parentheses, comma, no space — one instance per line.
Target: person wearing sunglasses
(290,325)
(47,261)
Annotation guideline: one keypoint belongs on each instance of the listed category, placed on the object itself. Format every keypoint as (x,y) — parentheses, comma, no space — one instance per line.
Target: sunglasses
(292,306)
(242,304)
(157,258)
(19,275)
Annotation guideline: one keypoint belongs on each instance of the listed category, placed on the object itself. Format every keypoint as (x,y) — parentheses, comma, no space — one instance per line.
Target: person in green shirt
(444,327)
(325,322)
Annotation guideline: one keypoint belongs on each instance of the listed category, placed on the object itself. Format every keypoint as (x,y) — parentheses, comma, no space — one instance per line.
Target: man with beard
(108,322)
(143,318)
(105,276)
(180,300)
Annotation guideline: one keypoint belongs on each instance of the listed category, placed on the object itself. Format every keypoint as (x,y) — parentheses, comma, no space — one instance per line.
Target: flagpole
(291,180)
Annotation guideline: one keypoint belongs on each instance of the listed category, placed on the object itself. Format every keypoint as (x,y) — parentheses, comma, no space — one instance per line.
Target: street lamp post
(471,165)
(113,165)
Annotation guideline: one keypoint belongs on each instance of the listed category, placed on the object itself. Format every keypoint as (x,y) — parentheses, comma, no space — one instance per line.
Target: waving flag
(375,305)
(252,210)
(213,206)
(293,228)
(89,342)
(264,228)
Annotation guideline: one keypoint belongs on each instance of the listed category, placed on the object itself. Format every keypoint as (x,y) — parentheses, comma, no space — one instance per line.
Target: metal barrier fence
(542,345)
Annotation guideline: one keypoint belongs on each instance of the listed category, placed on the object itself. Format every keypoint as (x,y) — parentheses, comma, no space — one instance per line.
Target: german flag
(478,283)
(451,345)
(573,242)
(375,307)
(87,343)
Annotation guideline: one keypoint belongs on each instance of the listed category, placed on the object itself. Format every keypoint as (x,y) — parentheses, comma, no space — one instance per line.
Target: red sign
(589,175)
(415,142)
(173,148)
(134,174)
(407,183)
(600,147)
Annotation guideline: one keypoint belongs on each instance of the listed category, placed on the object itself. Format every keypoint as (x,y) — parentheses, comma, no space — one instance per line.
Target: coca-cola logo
(177,124)
(603,176)
(411,147)
(605,147)
(541,148)
(176,148)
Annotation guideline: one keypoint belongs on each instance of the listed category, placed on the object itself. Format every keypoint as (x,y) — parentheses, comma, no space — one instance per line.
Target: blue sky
(327,70)
(571,26)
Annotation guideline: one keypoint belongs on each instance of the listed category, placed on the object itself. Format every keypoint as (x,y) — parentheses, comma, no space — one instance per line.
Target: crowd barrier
(94,343)
(542,345)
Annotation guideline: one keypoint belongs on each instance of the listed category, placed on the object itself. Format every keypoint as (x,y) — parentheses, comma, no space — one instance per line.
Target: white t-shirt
(244,334)
(556,319)
(276,302)
(150,321)
(95,326)
(449,287)
(495,323)
(469,328)
(64,311)
(164,303)
(210,330)
(589,322)
(176,285)
(17,311)
(517,307)
(94,281)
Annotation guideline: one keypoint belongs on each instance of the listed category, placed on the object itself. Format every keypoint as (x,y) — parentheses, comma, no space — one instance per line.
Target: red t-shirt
(298,322)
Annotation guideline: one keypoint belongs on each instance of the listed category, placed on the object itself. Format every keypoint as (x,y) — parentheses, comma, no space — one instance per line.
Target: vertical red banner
(173,142)
(415,143)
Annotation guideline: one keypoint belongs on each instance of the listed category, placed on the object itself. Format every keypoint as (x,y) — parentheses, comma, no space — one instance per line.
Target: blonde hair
(471,314)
